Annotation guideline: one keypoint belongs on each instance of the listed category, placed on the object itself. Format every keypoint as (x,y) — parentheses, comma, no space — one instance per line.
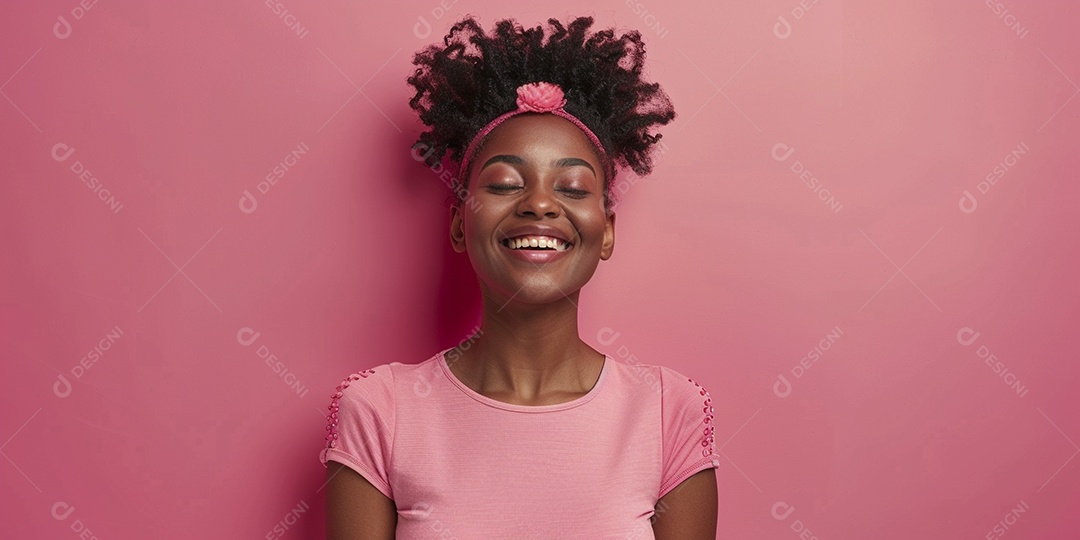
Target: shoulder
(373,379)
(380,382)
(670,383)
(368,399)
(678,385)
(635,375)
(688,432)
(685,402)
(361,398)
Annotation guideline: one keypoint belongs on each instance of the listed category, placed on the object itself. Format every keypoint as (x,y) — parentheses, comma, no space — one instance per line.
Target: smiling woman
(539,181)
(528,431)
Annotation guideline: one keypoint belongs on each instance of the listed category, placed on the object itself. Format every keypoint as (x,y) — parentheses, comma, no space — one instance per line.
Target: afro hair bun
(471,78)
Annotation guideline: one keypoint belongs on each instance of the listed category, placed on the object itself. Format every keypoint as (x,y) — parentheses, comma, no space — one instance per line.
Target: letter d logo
(781,147)
(966,336)
(422,28)
(62,28)
(781,510)
(62,387)
(782,28)
(248,204)
(782,388)
(968,204)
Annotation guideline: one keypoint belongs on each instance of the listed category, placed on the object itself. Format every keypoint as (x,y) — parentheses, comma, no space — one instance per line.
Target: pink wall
(893,183)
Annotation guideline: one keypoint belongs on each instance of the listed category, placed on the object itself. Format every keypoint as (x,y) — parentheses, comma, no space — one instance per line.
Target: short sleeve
(360,425)
(689,438)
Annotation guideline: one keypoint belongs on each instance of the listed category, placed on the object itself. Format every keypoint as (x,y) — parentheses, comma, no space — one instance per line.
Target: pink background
(940,295)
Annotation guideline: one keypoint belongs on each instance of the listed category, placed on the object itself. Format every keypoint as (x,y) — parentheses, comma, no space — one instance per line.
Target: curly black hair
(472,77)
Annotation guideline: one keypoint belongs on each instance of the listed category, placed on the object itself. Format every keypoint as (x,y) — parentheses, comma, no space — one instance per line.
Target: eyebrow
(517,160)
(573,162)
(503,158)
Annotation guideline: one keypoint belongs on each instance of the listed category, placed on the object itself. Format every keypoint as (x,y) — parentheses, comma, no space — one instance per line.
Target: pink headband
(538,97)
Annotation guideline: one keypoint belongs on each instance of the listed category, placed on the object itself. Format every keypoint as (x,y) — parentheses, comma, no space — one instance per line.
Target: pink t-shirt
(458,464)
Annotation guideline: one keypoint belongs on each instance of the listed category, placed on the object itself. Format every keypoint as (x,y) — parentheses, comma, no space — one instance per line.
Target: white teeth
(537,242)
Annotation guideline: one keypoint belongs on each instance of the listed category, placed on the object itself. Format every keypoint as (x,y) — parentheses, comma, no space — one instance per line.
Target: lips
(536,237)
(536,255)
(534,242)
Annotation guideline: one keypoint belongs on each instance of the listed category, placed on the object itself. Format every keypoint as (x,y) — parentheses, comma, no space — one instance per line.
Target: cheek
(590,220)
(478,224)
(468,224)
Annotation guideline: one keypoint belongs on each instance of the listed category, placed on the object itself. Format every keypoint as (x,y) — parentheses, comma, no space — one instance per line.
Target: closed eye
(505,188)
(576,193)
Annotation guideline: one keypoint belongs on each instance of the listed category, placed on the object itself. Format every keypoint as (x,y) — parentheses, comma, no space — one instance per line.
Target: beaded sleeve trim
(708,438)
(332,418)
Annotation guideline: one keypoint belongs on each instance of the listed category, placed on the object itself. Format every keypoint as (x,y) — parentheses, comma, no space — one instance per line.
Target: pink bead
(334,406)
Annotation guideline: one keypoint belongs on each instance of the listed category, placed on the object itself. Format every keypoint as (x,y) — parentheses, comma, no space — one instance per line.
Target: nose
(538,201)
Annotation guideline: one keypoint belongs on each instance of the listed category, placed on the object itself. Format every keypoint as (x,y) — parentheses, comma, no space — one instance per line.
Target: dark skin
(533,169)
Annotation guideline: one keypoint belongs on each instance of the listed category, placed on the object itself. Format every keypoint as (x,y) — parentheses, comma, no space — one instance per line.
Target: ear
(609,237)
(457,229)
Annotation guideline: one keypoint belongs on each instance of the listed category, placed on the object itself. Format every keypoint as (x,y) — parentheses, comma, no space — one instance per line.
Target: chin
(538,292)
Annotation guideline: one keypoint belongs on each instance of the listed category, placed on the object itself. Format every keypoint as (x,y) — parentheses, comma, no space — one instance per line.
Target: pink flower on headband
(540,97)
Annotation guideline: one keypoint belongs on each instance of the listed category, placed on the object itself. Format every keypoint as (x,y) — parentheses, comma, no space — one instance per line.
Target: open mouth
(537,243)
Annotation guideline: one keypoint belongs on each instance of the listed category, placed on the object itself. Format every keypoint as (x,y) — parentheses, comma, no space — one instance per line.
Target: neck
(526,352)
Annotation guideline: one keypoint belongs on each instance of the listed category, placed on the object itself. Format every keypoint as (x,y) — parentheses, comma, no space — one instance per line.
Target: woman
(524,430)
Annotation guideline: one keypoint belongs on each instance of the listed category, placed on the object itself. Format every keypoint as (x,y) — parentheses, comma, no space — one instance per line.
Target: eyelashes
(504,188)
(578,193)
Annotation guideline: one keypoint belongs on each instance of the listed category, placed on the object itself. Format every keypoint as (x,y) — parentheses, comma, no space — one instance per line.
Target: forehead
(539,134)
